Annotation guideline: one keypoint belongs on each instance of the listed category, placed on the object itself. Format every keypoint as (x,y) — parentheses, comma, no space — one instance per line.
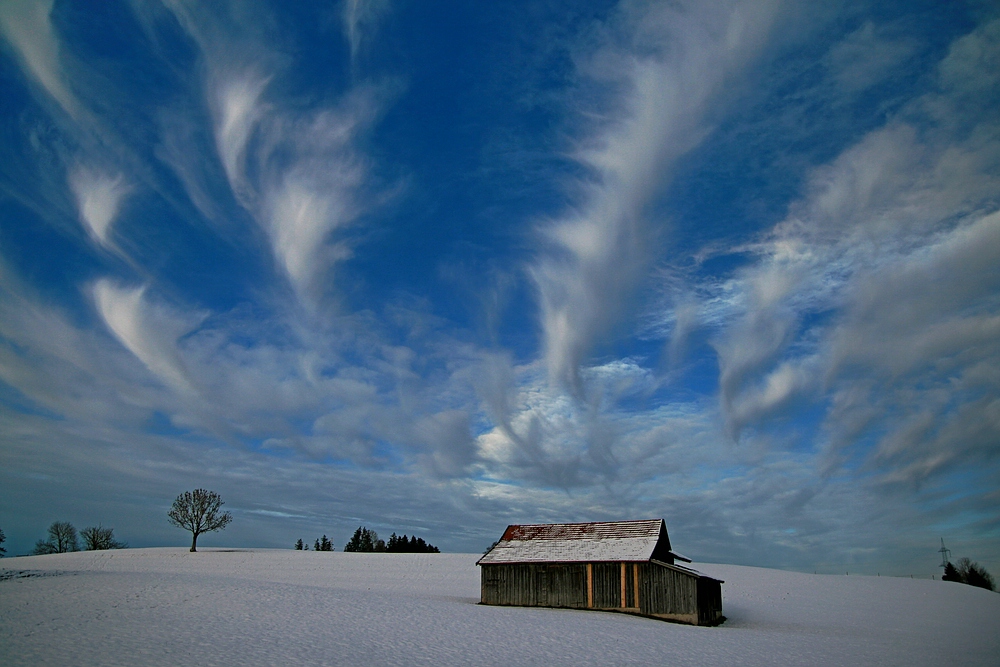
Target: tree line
(321,544)
(969,572)
(200,511)
(197,511)
(62,538)
(366,540)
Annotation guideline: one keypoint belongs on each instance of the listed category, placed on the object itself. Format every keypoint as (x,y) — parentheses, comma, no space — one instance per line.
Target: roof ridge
(587,523)
(591,530)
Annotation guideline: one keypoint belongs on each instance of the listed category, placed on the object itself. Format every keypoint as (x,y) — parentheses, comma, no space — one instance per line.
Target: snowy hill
(270,607)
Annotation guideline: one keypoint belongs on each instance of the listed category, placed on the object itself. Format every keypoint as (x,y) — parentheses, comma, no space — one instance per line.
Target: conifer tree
(364,541)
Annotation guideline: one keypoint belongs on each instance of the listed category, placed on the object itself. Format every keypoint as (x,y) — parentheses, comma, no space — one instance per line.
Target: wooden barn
(624,566)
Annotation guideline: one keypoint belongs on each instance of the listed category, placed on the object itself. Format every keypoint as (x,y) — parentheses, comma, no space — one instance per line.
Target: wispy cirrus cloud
(148,332)
(99,198)
(831,381)
(238,109)
(360,18)
(868,56)
(675,64)
(27,26)
(295,170)
(875,298)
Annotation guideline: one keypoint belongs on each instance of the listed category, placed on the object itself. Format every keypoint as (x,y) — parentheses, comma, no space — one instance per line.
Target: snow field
(282,607)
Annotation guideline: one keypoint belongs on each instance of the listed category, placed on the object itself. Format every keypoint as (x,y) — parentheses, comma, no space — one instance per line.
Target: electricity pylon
(945,554)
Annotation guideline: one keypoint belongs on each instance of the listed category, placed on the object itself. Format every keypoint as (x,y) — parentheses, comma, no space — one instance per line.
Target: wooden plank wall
(666,591)
(607,585)
(709,601)
(567,585)
(535,585)
(661,591)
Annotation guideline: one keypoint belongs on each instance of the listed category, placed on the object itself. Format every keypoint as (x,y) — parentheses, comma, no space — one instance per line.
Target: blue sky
(439,267)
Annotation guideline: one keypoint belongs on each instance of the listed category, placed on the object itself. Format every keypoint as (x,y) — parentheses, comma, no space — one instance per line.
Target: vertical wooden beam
(590,586)
(635,583)
(624,590)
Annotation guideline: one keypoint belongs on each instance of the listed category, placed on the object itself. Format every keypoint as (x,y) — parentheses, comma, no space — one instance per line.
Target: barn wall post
(624,600)
(590,586)
(635,583)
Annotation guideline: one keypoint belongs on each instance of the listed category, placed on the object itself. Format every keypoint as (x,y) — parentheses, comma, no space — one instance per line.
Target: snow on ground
(284,607)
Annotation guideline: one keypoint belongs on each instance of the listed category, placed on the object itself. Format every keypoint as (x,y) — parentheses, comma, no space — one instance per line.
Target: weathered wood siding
(662,591)
(567,585)
(709,601)
(666,592)
(607,585)
(535,585)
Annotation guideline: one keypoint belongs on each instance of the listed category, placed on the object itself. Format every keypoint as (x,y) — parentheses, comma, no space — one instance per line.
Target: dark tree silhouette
(407,544)
(365,540)
(299,545)
(62,538)
(99,538)
(974,574)
(324,544)
(199,512)
(3,538)
(969,572)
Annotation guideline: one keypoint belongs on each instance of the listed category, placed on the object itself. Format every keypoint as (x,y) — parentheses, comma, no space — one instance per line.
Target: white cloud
(875,300)
(27,25)
(238,110)
(99,198)
(294,170)
(305,202)
(597,255)
(360,20)
(148,332)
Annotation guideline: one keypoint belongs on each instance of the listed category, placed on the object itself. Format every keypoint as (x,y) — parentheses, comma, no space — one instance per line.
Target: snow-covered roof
(581,542)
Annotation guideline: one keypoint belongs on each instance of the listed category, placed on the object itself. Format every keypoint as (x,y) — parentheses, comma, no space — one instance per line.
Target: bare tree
(62,538)
(98,538)
(974,574)
(199,512)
